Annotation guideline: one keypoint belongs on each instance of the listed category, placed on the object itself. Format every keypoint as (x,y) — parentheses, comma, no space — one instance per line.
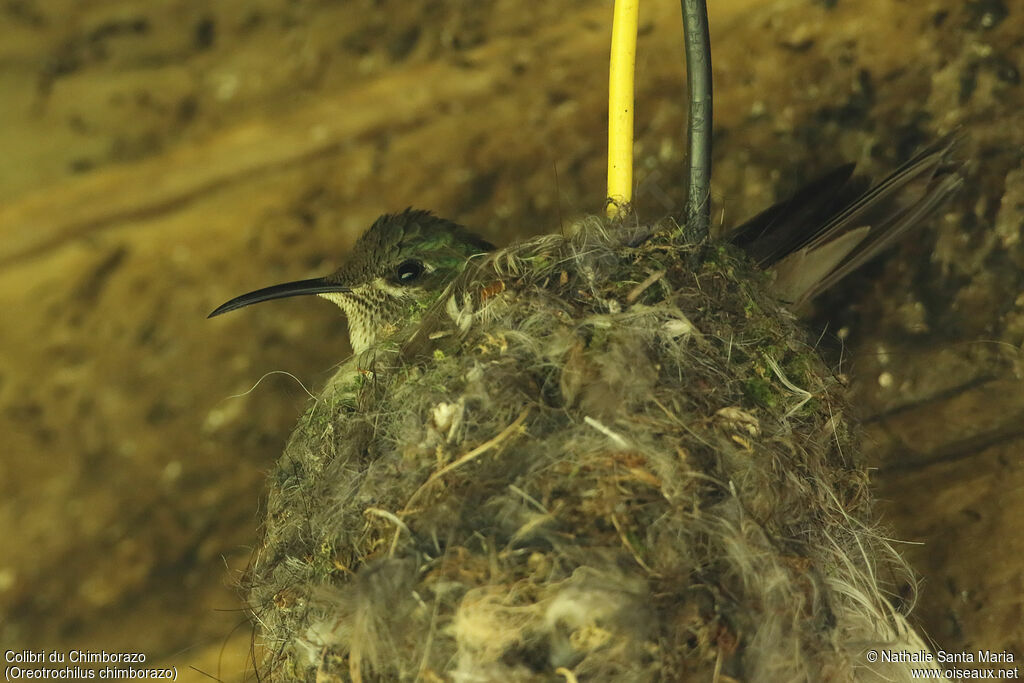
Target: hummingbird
(403,259)
(810,241)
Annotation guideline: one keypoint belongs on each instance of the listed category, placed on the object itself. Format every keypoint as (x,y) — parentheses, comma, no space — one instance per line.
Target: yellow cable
(620,105)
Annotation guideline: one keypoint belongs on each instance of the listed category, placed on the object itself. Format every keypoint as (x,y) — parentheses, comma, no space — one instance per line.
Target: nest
(594,457)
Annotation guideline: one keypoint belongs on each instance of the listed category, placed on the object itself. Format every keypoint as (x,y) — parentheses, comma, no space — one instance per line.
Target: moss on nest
(586,459)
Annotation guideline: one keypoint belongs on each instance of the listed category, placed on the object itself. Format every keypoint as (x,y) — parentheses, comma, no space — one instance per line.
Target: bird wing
(821,234)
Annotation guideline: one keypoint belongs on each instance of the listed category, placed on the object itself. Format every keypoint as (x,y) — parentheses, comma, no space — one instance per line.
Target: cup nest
(600,456)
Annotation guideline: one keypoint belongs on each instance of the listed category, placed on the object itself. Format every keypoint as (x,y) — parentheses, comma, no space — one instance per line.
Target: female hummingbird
(810,240)
(403,259)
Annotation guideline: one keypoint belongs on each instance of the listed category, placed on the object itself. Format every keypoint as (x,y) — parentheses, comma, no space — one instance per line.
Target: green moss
(809,409)
(800,367)
(759,390)
(751,307)
(541,263)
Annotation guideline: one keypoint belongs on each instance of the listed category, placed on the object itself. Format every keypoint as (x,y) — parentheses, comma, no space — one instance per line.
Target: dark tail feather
(783,227)
(822,234)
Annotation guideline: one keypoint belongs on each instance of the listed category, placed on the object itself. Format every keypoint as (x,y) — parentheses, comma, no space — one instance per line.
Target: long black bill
(317,285)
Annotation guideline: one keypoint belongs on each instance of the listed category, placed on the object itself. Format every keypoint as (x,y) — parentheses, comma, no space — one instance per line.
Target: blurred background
(160,158)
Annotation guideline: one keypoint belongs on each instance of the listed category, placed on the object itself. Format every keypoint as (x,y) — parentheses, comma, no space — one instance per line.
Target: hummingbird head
(403,258)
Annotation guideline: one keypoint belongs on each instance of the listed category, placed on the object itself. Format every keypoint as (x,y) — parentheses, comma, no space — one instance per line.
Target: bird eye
(409,271)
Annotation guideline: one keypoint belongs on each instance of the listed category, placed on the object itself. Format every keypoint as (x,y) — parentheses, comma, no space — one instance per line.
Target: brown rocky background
(160,158)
